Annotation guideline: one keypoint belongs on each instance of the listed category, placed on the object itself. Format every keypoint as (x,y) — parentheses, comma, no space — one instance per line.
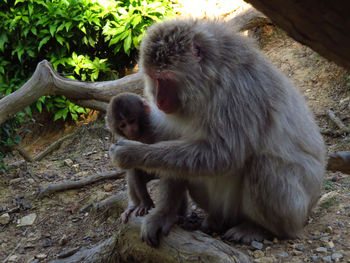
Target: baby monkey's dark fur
(128,116)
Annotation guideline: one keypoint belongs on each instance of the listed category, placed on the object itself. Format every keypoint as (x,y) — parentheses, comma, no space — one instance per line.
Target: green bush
(83,39)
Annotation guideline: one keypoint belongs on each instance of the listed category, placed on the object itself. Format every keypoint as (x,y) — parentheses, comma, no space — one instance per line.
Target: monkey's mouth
(167,95)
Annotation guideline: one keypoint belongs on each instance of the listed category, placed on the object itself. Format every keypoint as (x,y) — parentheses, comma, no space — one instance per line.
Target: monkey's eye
(122,126)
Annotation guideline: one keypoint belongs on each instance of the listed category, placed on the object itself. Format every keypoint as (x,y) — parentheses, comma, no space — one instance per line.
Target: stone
(300,247)
(63,240)
(329,229)
(5,219)
(258,254)
(321,250)
(341,224)
(257,245)
(329,244)
(275,240)
(13,258)
(327,259)
(336,256)
(108,187)
(297,253)
(41,256)
(315,258)
(27,220)
(15,181)
(68,162)
(76,167)
(283,255)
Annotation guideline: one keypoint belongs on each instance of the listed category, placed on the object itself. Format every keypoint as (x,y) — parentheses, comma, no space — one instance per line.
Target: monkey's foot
(126,214)
(143,208)
(154,225)
(245,233)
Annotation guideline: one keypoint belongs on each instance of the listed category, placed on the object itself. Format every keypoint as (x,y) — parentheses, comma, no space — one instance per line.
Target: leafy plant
(83,39)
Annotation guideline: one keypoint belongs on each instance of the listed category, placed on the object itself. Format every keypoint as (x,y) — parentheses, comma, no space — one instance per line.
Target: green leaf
(52,29)
(39,106)
(43,42)
(127,44)
(3,40)
(28,111)
(136,20)
(33,29)
(20,53)
(59,39)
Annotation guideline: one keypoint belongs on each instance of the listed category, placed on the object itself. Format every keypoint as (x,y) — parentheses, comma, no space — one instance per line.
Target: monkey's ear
(146,106)
(197,51)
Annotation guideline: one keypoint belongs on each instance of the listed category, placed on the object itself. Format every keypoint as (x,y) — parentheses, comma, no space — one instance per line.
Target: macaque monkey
(128,116)
(248,151)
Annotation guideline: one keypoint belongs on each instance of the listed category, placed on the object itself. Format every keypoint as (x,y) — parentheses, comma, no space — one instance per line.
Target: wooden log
(179,245)
(46,81)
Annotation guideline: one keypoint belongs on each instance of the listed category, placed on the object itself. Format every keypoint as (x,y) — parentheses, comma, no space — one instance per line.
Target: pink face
(130,128)
(166,92)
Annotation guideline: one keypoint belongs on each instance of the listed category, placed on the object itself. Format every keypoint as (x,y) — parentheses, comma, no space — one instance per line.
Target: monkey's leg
(277,196)
(172,194)
(134,201)
(141,179)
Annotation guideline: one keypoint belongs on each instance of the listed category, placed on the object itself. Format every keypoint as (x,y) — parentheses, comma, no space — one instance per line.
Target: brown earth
(60,224)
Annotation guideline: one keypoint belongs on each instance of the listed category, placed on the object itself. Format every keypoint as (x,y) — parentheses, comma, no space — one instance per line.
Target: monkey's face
(128,128)
(170,56)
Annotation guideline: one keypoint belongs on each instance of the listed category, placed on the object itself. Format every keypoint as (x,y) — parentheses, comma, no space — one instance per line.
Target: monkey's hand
(123,153)
(156,224)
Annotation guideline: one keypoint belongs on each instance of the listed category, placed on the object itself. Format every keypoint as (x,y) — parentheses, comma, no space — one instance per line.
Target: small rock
(108,187)
(41,256)
(300,247)
(31,181)
(63,240)
(321,250)
(329,229)
(327,259)
(257,245)
(297,253)
(329,244)
(315,258)
(13,258)
(5,219)
(283,255)
(76,167)
(336,256)
(275,240)
(341,224)
(68,162)
(33,260)
(258,254)
(27,220)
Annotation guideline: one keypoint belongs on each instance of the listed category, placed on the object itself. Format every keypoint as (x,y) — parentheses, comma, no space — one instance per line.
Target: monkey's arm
(190,158)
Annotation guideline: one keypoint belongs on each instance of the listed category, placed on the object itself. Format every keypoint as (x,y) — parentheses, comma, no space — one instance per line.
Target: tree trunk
(322,25)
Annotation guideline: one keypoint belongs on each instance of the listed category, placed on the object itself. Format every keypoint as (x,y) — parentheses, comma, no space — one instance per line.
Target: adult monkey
(250,151)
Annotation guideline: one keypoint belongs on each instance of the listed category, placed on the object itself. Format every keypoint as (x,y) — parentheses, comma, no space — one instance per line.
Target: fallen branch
(41,155)
(337,122)
(179,246)
(78,184)
(46,81)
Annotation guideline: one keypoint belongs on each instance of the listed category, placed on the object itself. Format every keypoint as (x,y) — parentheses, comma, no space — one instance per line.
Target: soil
(60,224)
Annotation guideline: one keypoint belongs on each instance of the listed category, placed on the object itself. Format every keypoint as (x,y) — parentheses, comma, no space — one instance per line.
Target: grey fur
(247,148)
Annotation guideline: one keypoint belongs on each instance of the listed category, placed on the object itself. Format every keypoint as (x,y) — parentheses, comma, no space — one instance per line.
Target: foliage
(9,137)
(83,39)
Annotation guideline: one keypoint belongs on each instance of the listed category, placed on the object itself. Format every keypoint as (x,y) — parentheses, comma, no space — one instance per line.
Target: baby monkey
(128,116)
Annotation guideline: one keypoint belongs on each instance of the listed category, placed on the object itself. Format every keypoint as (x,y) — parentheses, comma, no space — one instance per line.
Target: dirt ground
(60,224)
